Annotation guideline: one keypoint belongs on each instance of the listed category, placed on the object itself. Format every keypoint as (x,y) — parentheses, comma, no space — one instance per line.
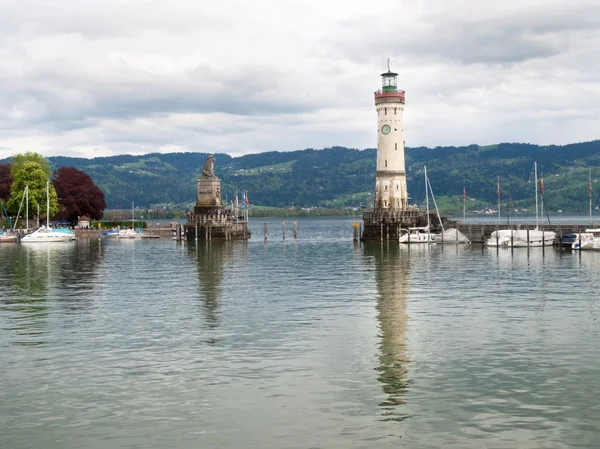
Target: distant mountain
(346,177)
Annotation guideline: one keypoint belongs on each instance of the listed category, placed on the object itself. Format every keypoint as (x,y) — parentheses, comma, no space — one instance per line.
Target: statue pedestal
(209,192)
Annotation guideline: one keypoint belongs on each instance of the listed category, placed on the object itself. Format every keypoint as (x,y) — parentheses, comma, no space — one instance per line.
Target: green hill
(338,177)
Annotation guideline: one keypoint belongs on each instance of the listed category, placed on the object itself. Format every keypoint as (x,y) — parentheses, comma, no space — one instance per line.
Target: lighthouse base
(386,225)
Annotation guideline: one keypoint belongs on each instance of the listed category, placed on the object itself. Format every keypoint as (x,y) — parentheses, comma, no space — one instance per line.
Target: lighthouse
(391,216)
(390,184)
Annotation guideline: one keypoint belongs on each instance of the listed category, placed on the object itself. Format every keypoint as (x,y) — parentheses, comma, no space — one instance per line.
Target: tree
(33,175)
(78,194)
(18,160)
(5,182)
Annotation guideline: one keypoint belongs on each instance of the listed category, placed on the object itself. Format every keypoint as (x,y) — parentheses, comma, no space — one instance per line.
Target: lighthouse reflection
(210,258)
(391,276)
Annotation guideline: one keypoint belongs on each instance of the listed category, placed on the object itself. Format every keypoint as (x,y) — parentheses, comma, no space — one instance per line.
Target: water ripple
(313,342)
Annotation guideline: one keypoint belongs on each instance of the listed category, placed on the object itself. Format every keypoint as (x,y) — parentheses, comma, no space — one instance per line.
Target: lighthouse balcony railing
(383,94)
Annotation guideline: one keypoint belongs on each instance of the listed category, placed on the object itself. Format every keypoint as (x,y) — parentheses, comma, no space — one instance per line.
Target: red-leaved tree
(5,182)
(77,194)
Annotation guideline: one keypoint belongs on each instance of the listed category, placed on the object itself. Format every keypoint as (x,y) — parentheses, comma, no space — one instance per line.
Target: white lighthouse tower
(390,185)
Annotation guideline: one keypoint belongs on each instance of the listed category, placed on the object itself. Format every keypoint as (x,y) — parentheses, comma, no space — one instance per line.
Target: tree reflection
(210,258)
(37,275)
(391,275)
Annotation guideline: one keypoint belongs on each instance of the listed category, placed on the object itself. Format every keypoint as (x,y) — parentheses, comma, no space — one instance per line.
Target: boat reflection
(210,258)
(33,276)
(391,276)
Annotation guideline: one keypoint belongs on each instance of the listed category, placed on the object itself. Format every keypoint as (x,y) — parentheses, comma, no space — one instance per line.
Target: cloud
(88,78)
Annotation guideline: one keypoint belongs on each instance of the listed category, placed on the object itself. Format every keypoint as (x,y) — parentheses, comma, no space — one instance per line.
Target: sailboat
(521,238)
(46,233)
(420,234)
(131,233)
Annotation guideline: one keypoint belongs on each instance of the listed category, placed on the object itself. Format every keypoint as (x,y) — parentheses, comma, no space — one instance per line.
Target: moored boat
(590,239)
(416,235)
(7,237)
(46,233)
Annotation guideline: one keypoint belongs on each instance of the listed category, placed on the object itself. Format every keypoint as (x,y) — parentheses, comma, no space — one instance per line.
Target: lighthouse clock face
(385,129)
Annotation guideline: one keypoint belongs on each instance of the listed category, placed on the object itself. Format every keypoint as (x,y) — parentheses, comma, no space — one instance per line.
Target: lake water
(314,343)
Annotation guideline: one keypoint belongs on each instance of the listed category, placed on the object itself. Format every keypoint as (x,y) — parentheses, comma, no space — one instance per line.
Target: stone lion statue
(209,166)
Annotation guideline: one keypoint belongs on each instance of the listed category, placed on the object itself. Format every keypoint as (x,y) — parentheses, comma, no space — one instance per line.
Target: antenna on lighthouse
(388,64)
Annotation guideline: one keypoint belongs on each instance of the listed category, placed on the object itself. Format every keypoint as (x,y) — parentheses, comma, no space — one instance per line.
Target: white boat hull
(521,239)
(416,238)
(45,235)
(8,238)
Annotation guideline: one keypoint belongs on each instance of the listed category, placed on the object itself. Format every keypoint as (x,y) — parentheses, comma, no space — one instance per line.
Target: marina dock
(479,233)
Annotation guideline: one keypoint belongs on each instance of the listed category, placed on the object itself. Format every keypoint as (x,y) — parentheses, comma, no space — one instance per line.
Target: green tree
(32,174)
(18,160)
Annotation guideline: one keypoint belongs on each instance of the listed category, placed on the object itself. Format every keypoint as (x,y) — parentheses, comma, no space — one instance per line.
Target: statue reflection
(391,275)
(210,259)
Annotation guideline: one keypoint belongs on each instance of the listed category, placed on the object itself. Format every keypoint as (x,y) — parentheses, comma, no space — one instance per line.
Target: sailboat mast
(132,216)
(536,195)
(590,180)
(498,199)
(47,204)
(26,207)
(437,211)
(426,195)
(464,201)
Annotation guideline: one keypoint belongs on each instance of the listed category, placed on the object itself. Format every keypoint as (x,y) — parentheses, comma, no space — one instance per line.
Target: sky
(98,78)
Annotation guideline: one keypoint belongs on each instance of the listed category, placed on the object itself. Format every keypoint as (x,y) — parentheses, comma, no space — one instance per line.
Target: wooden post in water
(482,236)
(359,231)
(295,231)
(387,229)
(560,237)
(512,240)
(381,232)
(283,229)
(355,232)
(527,236)
(579,239)
(265,231)
(543,241)
(196,229)
(497,237)
(457,235)
(209,231)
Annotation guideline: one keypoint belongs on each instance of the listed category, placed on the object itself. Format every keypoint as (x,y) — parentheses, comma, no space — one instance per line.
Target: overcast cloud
(90,78)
